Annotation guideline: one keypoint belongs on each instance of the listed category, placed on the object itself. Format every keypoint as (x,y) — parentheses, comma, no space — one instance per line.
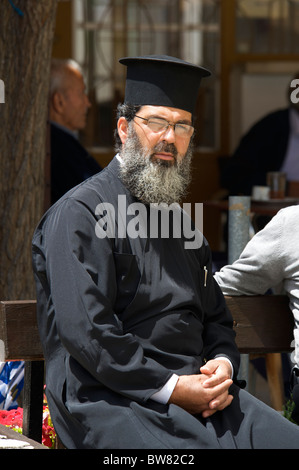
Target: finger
(219,393)
(209,368)
(209,412)
(217,380)
(221,402)
(217,396)
(215,367)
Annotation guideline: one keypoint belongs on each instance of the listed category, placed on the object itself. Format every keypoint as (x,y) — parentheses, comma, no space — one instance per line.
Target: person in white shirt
(269,260)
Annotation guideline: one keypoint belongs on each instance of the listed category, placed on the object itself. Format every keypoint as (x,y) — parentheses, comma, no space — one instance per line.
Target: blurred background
(251,47)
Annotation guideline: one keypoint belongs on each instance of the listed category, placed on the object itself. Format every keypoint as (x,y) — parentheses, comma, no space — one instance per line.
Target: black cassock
(119,314)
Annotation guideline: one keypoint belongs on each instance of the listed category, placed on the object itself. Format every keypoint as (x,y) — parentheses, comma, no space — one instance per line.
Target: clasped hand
(207,392)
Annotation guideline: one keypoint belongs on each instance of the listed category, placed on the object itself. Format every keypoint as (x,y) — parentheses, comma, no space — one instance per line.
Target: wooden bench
(19,340)
(263,325)
(10,439)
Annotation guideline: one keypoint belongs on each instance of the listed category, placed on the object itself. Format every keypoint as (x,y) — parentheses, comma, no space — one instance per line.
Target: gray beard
(154,181)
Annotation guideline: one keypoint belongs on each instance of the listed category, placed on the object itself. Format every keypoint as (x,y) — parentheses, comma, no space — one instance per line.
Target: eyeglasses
(161,125)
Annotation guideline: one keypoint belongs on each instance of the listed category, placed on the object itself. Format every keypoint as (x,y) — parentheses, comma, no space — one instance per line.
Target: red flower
(48,438)
(14,420)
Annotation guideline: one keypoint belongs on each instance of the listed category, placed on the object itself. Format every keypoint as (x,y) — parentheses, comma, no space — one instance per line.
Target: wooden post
(33,400)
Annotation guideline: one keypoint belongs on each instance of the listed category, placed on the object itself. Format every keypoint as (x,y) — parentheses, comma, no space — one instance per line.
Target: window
(267,26)
(105,30)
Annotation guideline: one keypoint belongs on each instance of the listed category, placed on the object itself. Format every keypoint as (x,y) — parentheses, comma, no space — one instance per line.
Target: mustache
(165,147)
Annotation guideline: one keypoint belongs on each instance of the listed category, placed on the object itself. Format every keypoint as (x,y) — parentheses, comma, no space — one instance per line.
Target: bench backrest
(263,324)
(19,338)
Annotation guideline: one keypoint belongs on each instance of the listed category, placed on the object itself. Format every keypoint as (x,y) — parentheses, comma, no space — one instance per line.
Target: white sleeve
(163,395)
(261,265)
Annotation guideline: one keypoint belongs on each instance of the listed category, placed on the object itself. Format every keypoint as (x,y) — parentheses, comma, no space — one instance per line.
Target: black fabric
(70,163)
(162,81)
(262,149)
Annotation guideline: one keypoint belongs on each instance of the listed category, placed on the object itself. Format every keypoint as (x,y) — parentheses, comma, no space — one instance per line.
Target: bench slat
(19,338)
(263,324)
(15,436)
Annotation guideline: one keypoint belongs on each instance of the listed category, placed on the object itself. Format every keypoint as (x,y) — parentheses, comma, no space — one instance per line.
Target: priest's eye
(161,125)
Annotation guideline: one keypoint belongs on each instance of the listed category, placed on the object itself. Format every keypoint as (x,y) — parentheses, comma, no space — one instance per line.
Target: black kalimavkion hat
(162,80)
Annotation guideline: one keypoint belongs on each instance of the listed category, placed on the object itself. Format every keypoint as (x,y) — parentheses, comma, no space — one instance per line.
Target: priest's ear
(122,128)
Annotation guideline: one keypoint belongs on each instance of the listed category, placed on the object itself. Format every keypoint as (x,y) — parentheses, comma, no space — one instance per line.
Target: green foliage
(288,409)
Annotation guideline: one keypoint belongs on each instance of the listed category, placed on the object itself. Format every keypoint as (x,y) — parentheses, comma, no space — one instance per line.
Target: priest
(138,341)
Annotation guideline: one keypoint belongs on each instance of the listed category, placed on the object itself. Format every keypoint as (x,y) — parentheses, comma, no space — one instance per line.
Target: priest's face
(152,137)
(156,154)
